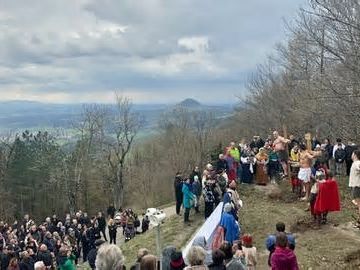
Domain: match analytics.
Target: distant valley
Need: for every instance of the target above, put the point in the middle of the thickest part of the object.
(59, 119)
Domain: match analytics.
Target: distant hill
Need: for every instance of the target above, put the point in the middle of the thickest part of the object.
(189, 103)
(19, 115)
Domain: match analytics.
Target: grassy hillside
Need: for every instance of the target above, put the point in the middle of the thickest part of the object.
(333, 246)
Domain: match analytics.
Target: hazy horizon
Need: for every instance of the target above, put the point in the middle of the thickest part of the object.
(111, 103)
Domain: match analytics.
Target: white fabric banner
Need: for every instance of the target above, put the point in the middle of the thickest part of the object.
(207, 229)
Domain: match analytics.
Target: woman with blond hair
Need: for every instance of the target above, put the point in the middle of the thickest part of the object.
(112, 227)
(196, 258)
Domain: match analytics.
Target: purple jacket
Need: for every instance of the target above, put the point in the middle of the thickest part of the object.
(284, 259)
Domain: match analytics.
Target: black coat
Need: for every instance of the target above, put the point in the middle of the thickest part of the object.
(193, 174)
(50, 244)
(26, 264)
(112, 230)
(111, 211)
(257, 144)
(90, 235)
(4, 261)
(221, 164)
(329, 149)
(45, 256)
(178, 189)
(349, 149)
(101, 222)
(145, 225)
(91, 257)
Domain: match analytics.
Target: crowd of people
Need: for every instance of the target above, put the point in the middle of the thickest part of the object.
(310, 166)
(62, 243)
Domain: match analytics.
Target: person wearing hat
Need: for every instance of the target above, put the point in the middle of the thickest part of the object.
(249, 251)
(230, 225)
(177, 261)
(91, 257)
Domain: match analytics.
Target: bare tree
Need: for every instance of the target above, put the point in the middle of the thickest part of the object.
(91, 128)
(125, 126)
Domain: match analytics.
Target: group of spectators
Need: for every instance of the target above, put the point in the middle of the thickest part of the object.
(217, 183)
(50, 244)
(309, 164)
(62, 243)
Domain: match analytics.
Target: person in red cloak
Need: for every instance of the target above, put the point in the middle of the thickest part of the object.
(328, 199)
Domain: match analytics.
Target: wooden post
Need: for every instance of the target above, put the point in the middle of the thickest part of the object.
(308, 141)
(287, 151)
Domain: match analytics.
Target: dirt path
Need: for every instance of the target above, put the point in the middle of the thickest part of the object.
(169, 211)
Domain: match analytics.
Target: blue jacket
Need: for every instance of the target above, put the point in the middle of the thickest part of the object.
(188, 196)
(271, 242)
(228, 199)
(232, 230)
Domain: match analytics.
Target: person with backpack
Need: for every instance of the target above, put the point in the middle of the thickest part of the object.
(339, 154)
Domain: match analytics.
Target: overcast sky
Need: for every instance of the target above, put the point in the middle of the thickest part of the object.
(151, 50)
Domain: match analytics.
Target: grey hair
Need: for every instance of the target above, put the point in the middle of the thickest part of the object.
(39, 265)
(109, 257)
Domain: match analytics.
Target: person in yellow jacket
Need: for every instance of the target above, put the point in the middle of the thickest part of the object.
(234, 152)
(294, 154)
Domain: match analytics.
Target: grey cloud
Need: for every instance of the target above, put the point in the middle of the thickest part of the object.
(87, 45)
